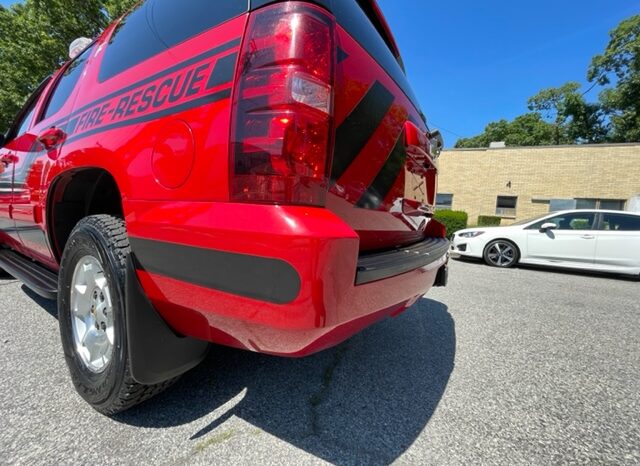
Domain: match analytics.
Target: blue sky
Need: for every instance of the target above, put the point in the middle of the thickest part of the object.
(472, 62)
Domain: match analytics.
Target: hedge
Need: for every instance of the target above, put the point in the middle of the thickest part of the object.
(489, 221)
(454, 220)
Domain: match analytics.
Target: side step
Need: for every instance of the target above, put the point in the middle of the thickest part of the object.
(41, 280)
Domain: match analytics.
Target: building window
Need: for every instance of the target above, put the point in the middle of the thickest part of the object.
(444, 201)
(604, 204)
(506, 206)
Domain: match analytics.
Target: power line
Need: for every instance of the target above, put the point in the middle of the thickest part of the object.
(447, 130)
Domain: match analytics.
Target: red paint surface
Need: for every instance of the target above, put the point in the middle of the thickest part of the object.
(173, 175)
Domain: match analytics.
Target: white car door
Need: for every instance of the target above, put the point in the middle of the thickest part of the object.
(618, 242)
(574, 239)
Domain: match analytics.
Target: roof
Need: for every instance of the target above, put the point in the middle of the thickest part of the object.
(576, 146)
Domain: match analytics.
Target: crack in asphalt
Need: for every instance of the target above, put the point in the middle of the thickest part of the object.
(316, 400)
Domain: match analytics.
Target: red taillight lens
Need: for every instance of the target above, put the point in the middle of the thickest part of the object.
(283, 107)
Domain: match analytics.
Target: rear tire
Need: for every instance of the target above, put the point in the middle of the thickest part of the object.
(92, 316)
(501, 253)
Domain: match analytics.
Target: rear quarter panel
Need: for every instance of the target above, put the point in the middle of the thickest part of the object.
(117, 124)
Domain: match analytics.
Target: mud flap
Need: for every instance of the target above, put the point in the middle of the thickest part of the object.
(156, 352)
(442, 279)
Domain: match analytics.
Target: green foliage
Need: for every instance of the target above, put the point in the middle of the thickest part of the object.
(489, 221)
(454, 220)
(573, 119)
(561, 115)
(620, 65)
(34, 41)
(526, 130)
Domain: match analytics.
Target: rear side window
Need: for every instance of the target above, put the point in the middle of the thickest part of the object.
(158, 25)
(620, 222)
(66, 84)
(358, 22)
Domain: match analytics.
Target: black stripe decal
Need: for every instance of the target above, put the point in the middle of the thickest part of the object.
(342, 55)
(211, 53)
(270, 280)
(223, 71)
(374, 196)
(356, 130)
(208, 99)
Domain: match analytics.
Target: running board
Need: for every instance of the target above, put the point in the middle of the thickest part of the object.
(39, 279)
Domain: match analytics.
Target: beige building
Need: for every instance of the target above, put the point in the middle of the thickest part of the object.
(516, 183)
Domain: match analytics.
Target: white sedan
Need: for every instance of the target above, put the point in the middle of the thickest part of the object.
(599, 240)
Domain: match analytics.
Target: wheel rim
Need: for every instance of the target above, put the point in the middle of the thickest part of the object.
(92, 314)
(501, 254)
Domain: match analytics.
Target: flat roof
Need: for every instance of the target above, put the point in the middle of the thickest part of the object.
(564, 146)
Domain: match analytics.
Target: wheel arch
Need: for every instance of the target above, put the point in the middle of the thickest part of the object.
(76, 194)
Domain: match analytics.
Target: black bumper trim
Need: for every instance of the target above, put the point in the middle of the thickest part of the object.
(378, 266)
(261, 278)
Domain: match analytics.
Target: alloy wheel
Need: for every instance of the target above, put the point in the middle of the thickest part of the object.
(92, 314)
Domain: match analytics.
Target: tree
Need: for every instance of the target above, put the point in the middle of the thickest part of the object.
(619, 66)
(551, 104)
(34, 40)
(525, 130)
(573, 118)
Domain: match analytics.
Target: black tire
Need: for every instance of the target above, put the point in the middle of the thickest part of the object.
(113, 390)
(505, 259)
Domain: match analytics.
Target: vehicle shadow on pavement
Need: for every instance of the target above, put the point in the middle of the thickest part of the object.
(47, 304)
(365, 401)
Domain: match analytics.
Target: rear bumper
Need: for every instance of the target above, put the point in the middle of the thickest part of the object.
(273, 279)
(373, 267)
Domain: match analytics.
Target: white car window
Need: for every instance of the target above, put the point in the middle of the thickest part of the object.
(570, 221)
(620, 222)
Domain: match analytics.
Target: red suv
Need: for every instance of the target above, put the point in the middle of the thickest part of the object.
(231, 174)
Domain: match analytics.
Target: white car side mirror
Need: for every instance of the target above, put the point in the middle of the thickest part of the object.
(548, 226)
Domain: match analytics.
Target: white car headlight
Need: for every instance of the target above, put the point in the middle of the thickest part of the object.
(471, 234)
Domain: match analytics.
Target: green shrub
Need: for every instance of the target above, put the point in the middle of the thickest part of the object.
(489, 221)
(454, 220)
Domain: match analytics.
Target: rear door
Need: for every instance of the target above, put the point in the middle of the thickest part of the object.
(33, 160)
(374, 106)
(574, 239)
(6, 191)
(618, 242)
(20, 139)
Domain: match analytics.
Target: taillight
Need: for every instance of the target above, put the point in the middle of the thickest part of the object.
(282, 128)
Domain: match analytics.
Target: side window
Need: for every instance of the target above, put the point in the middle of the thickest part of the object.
(26, 120)
(158, 25)
(66, 84)
(26, 115)
(573, 221)
(506, 206)
(620, 222)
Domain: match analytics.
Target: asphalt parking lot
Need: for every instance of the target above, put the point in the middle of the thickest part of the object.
(502, 367)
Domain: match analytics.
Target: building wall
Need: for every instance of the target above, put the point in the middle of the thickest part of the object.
(476, 177)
